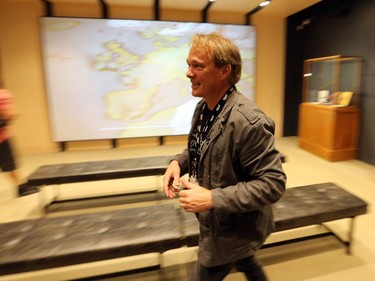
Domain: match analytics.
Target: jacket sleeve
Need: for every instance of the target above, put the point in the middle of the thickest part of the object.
(261, 177)
(182, 160)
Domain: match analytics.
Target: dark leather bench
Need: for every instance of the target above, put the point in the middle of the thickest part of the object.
(303, 206)
(99, 170)
(59, 241)
(55, 174)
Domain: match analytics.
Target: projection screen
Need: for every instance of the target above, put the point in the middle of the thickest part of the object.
(111, 79)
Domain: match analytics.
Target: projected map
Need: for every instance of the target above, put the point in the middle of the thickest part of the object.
(109, 79)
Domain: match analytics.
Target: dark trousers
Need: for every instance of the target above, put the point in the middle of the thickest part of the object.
(250, 266)
(7, 163)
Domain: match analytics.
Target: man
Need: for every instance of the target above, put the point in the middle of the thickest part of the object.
(7, 162)
(235, 172)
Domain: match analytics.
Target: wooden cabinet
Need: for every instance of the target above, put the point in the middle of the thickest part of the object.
(329, 131)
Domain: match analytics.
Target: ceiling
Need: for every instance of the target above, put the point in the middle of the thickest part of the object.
(277, 7)
(281, 8)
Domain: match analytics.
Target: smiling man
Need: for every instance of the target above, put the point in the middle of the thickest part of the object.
(235, 171)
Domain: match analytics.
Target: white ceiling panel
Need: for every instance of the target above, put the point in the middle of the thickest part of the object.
(236, 6)
(276, 7)
(74, 1)
(130, 3)
(197, 5)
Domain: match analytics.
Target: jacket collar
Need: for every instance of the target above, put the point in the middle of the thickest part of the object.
(218, 125)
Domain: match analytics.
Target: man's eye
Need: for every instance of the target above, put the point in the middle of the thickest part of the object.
(195, 66)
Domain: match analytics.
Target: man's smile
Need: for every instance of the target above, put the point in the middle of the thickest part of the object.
(195, 85)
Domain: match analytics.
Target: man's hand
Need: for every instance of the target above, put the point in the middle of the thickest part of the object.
(172, 179)
(195, 198)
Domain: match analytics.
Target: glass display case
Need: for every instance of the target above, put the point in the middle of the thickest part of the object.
(332, 80)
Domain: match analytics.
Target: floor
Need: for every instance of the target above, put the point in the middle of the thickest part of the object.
(322, 259)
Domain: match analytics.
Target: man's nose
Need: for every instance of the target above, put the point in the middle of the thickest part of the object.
(189, 73)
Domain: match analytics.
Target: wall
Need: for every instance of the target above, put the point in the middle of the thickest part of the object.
(22, 68)
(270, 66)
(22, 73)
(336, 28)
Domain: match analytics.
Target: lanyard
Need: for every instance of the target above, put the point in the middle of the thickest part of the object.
(206, 120)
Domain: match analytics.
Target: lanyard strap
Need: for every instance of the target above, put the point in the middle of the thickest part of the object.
(205, 122)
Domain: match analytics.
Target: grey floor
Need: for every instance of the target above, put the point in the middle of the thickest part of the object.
(321, 259)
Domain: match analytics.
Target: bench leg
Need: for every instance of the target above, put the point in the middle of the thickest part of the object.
(348, 242)
(56, 193)
(56, 189)
(42, 200)
(350, 236)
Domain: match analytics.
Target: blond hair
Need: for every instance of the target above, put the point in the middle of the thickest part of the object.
(221, 50)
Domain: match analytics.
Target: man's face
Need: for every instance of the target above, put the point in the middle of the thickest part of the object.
(204, 76)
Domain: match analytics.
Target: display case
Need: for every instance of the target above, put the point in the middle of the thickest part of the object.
(332, 80)
(329, 114)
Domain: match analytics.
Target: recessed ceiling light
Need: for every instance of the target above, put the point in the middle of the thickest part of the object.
(264, 3)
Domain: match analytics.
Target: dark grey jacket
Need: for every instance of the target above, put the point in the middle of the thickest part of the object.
(241, 166)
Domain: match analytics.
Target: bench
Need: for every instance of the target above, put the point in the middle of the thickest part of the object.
(101, 170)
(304, 206)
(96, 170)
(60, 241)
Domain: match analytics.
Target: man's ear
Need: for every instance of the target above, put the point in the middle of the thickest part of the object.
(226, 71)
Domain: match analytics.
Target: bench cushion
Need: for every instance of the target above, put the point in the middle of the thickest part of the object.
(299, 206)
(315, 204)
(99, 170)
(59, 241)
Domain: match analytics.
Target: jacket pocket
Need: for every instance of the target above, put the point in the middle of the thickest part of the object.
(234, 222)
